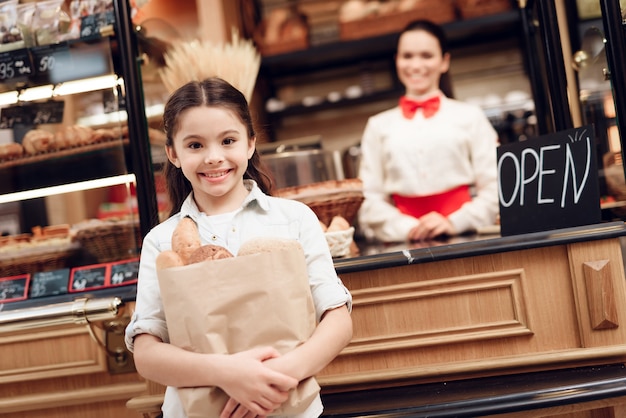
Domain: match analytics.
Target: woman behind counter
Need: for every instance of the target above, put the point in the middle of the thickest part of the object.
(421, 159)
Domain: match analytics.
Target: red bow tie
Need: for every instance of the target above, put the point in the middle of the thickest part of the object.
(429, 107)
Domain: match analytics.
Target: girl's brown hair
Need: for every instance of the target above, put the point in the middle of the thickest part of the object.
(209, 92)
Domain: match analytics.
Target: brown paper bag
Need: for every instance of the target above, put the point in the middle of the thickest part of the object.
(234, 304)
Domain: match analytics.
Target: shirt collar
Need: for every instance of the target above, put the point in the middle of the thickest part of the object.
(189, 207)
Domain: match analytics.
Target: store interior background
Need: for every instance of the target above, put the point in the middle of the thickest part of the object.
(490, 72)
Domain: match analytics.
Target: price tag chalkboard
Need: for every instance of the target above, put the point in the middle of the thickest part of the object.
(88, 277)
(15, 115)
(47, 112)
(90, 25)
(124, 272)
(49, 283)
(14, 288)
(53, 61)
(15, 64)
(30, 114)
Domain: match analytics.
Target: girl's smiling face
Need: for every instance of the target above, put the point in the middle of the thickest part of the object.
(420, 62)
(212, 148)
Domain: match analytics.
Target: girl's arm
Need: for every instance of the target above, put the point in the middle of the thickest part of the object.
(332, 334)
(243, 376)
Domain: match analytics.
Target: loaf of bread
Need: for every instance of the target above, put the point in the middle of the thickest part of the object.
(186, 239)
(167, 259)
(209, 252)
(38, 140)
(338, 223)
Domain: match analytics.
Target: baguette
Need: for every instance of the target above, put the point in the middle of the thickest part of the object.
(186, 239)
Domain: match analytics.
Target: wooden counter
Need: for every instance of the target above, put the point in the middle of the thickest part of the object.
(450, 313)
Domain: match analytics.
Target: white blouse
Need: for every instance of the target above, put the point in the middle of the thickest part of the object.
(422, 157)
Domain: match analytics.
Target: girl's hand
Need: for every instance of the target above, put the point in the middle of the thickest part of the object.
(431, 225)
(254, 389)
(234, 409)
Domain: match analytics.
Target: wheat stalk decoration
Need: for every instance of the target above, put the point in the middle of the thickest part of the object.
(237, 62)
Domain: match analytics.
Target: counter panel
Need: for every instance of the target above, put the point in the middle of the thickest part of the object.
(535, 308)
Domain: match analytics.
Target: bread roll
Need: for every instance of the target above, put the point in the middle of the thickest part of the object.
(186, 238)
(338, 223)
(38, 140)
(266, 245)
(167, 259)
(11, 150)
(103, 135)
(84, 134)
(209, 252)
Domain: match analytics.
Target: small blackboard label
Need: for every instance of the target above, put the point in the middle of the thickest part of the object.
(88, 277)
(14, 288)
(124, 272)
(90, 25)
(31, 114)
(549, 182)
(49, 283)
(53, 61)
(48, 112)
(15, 64)
(14, 115)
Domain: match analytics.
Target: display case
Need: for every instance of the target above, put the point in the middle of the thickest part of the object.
(77, 191)
(76, 197)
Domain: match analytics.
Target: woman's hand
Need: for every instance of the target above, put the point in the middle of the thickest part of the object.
(431, 225)
(255, 390)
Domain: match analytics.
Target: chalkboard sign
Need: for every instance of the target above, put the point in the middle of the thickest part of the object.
(53, 61)
(32, 114)
(88, 278)
(15, 115)
(49, 283)
(549, 182)
(48, 112)
(90, 25)
(15, 64)
(14, 288)
(124, 272)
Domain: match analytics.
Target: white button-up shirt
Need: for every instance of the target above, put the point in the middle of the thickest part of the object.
(259, 216)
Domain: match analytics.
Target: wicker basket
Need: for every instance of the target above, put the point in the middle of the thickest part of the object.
(469, 9)
(34, 263)
(438, 11)
(107, 241)
(340, 242)
(329, 198)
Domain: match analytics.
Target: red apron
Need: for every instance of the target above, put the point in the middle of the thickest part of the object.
(445, 203)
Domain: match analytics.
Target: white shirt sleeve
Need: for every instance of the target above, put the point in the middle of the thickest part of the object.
(378, 216)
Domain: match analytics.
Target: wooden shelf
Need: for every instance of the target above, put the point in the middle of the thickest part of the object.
(460, 33)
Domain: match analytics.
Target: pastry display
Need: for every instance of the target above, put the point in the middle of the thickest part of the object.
(40, 141)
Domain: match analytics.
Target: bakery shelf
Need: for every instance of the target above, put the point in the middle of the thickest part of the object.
(460, 32)
(57, 154)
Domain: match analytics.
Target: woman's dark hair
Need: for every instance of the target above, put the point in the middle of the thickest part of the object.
(445, 84)
(209, 92)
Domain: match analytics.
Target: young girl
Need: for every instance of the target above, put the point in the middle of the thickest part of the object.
(421, 158)
(214, 177)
